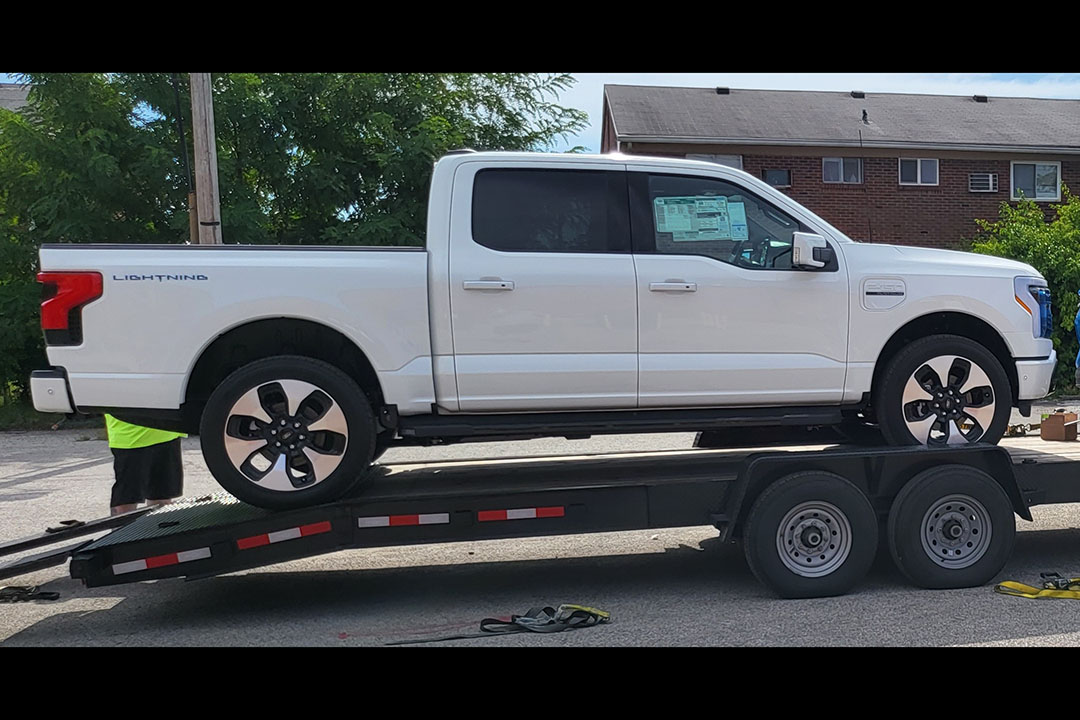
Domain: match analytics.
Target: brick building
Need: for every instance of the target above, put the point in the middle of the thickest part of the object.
(890, 168)
(12, 96)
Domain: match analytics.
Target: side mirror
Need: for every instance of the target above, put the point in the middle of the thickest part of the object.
(810, 251)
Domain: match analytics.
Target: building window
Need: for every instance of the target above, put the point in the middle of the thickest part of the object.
(778, 178)
(918, 171)
(842, 170)
(734, 161)
(1036, 181)
(982, 182)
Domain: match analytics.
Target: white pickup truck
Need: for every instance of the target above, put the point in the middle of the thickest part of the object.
(557, 295)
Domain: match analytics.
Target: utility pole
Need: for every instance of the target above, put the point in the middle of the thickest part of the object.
(193, 213)
(206, 180)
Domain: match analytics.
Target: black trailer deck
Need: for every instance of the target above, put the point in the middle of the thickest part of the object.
(403, 504)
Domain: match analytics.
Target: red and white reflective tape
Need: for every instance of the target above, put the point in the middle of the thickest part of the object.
(400, 520)
(282, 535)
(521, 514)
(161, 561)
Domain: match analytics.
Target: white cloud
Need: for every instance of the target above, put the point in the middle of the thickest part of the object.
(587, 94)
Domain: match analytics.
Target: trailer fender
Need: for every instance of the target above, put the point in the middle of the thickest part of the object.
(878, 472)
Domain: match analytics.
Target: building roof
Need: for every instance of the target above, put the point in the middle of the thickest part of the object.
(835, 119)
(12, 96)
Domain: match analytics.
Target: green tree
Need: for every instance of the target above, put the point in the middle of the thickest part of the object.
(1053, 248)
(303, 158)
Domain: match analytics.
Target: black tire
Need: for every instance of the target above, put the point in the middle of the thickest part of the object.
(888, 396)
(927, 491)
(359, 433)
(763, 528)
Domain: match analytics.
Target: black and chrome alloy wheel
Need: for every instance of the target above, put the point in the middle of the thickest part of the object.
(948, 400)
(288, 432)
(942, 391)
(286, 435)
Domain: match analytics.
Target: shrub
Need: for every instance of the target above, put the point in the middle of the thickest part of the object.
(1053, 248)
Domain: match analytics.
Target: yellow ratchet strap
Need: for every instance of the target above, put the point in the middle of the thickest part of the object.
(1054, 586)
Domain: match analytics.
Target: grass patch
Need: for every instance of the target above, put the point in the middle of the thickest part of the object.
(19, 416)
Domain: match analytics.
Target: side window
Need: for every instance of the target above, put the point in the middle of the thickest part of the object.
(556, 211)
(683, 215)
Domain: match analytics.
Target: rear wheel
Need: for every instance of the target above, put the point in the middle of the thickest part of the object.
(811, 534)
(943, 390)
(287, 432)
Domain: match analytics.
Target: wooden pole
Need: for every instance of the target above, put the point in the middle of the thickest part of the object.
(206, 178)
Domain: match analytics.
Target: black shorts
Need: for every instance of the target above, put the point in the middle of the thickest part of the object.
(155, 472)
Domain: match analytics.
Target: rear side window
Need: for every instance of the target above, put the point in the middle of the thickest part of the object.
(557, 211)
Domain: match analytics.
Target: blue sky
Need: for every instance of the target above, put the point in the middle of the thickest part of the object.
(587, 94)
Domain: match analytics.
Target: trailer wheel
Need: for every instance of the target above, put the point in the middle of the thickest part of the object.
(951, 526)
(811, 534)
(287, 432)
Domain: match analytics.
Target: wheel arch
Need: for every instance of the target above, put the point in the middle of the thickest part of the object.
(266, 337)
(949, 323)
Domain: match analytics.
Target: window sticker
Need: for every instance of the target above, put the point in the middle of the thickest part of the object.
(737, 215)
(693, 218)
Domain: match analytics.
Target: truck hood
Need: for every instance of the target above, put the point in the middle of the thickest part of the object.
(943, 261)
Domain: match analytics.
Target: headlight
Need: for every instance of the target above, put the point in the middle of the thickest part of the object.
(1033, 295)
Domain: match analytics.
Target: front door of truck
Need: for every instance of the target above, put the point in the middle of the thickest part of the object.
(542, 288)
(724, 319)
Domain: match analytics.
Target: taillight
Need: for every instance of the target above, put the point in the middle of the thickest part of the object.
(63, 296)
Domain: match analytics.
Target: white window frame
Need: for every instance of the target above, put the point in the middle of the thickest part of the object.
(1012, 179)
(841, 181)
(918, 171)
(788, 170)
(734, 161)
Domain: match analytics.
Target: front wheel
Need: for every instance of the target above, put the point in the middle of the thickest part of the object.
(943, 390)
(287, 432)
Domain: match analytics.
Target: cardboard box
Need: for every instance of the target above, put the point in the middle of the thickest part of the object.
(1059, 426)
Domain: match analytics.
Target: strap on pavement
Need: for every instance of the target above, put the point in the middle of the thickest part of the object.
(1054, 586)
(538, 620)
(25, 593)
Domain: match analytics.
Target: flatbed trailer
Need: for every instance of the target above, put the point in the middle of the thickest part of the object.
(811, 518)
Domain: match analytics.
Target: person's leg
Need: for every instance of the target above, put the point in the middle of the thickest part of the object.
(129, 468)
(166, 481)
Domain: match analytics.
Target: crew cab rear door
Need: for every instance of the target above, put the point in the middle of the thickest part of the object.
(542, 287)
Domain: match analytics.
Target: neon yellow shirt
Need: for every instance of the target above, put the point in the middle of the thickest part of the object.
(125, 436)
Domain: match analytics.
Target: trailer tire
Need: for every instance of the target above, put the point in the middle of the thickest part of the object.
(287, 432)
(816, 511)
(951, 526)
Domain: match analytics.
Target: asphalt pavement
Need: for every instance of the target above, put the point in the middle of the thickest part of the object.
(663, 587)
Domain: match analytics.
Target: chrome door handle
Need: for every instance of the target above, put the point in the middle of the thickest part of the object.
(488, 284)
(673, 286)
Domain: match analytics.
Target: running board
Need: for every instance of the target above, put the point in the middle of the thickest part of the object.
(610, 422)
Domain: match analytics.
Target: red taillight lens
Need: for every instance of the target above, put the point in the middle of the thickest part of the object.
(65, 292)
